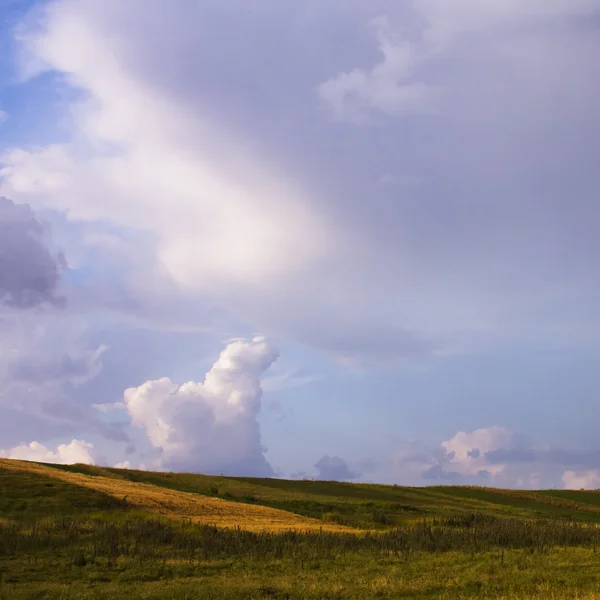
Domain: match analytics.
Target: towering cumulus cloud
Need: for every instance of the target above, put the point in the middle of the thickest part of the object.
(29, 272)
(209, 426)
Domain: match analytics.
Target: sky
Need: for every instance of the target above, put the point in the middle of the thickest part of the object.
(346, 240)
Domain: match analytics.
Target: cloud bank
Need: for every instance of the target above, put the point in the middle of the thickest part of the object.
(76, 451)
(498, 457)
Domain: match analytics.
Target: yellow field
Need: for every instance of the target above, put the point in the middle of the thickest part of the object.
(172, 503)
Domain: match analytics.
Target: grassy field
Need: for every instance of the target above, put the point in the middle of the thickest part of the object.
(87, 532)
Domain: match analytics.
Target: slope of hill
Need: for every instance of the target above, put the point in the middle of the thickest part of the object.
(76, 531)
(166, 501)
(366, 506)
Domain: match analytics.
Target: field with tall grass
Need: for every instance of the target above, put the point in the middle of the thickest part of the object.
(87, 532)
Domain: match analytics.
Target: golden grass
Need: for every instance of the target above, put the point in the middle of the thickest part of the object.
(172, 503)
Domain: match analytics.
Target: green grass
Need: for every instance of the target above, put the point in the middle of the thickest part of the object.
(369, 506)
(62, 541)
(28, 496)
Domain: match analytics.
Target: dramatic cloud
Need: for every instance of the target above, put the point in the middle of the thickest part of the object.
(76, 451)
(334, 468)
(493, 225)
(209, 426)
(382, 183)
(29, 271)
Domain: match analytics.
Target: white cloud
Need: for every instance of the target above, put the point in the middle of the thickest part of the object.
(209, 426)
(587, 480)
(466, 451)
(499, 457)
(76, 451)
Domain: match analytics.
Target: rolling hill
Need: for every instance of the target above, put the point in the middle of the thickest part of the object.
(80, 531)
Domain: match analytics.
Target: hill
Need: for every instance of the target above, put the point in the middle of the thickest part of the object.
(79, 531)
(355, 505)
(117, 489)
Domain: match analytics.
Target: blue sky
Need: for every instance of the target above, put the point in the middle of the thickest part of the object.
(242, 239)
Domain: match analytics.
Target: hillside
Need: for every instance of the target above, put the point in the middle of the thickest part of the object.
(77, 531)
(364, 506)
(123, 492)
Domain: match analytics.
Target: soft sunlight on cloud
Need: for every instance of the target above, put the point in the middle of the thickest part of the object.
(466, 451)
(209, 426)
(496, 456)
(227, 215)
(76, 451)
(237, 221)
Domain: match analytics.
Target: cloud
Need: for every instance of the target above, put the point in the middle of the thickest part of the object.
(225, 235)
(65, 368)
(498, 457)
(226, 221)
(209, 426)
(485, 456)
(467, 452)
(405, 80)
(45, 361)
(334, 468)
(390, 86)
(492, 227)
(287, 380)
(586, 480)
(29, 271)
(76, 451)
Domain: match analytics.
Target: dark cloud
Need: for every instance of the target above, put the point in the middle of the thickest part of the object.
(437, 472)
(334, 468)
(29, 271)
(130, 450)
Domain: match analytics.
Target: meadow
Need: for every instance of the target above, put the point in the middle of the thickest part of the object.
(87, 532)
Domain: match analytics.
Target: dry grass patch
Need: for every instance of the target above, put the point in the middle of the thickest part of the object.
(201, 509)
